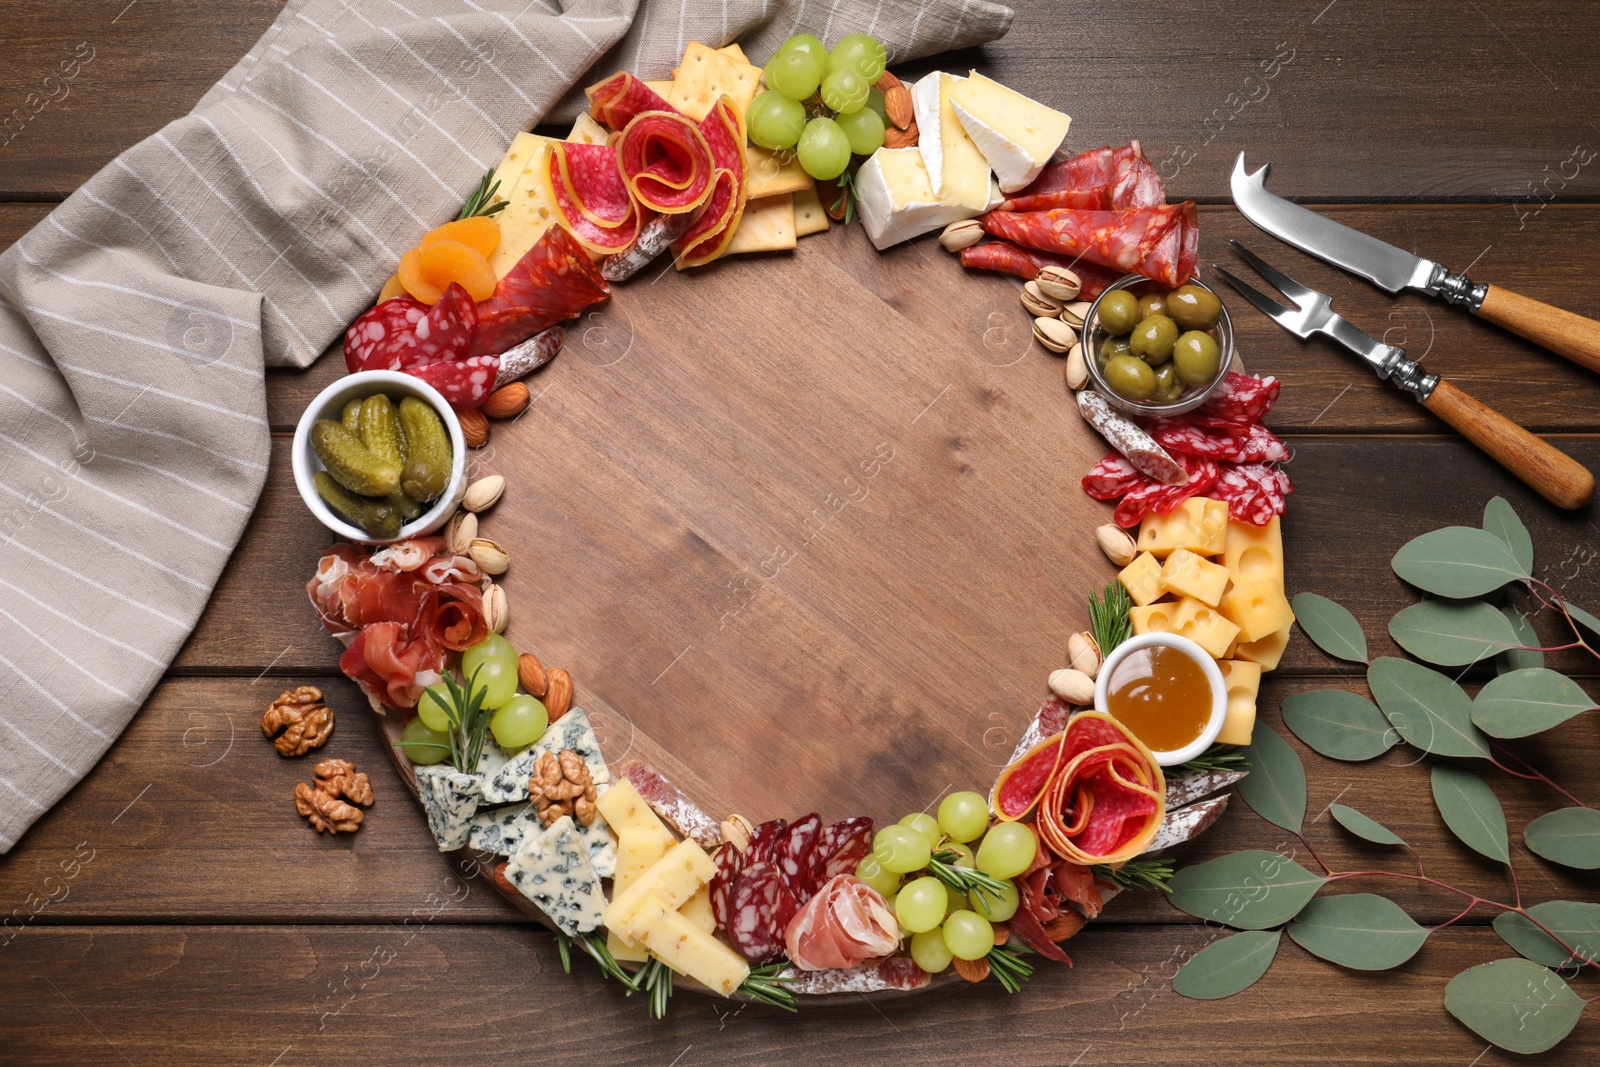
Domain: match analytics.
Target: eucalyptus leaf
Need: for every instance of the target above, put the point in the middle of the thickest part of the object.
(1458, 562)
(1588, 620)
(1453, 633)
(1227, 966)
(1568, 836)
(1577, 923)
(1500, 519)
(1362, 931)
(1516, 659)
(1275, 788)
(1339, 724)
(1428, 709)
(1528, 702)
(1331, 627)
(1515, 1004)
(1472, 811)
(1250, 890)
(1364, 827)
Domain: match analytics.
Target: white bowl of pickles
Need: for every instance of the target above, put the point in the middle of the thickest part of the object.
(379, 456)
(1152, 350)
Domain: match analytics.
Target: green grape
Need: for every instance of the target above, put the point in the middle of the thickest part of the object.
(920, 904)
(423, 746)
(498, 680)
(492, 647)
(864, 129)
(998, 908)
(824, 149)
(901, 849)
(857, 52)
(930, 952)
(875, 875)
(955, 900)
(808, 43)
(875, 104)
(795, 74)
(968, 935)
(845, 91)
(775, 121)
(924, 824)
(964, 816)
(520, 722)
(431, 708)
(964, 856)
(1007, 850)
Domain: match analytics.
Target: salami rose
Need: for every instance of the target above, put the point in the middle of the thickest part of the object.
(616, 101)
(846, 923)
(591, 198)
(1026, 778)
(1106, 800)
(665, 162)
(723, 129)
(1161, 243)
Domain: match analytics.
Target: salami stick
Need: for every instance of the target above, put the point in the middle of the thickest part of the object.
(1120, 432)
(529, 356)
(654, 239)
(1186, 824)
(1187, 788)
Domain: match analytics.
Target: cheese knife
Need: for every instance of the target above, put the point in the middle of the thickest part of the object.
(1393, 269)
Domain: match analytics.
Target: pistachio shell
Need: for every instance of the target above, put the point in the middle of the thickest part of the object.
(1074, 687)
(461, 532)
(1083, 653)
(1059, 284)
(1115, 542)
(1074, 313)
(484, 493)
(495, 609)
(1037, 303)
(959, 235)
(1054, 334)
(490, 557)
(1077, 369)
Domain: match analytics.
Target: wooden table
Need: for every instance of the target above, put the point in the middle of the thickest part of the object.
(204, 924)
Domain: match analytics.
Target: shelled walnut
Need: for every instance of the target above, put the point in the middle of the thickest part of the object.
(561, 785)
(305, 721)
(340, 778)
(328, 802)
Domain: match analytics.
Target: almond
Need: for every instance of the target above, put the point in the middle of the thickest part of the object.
(1074, 687)
(506, 402)
(530, 672)
(888, 80)
(1064, 925)
(832, 202)
(895, 137)
(474, 427)
(1002, 934)
(558, 693)
(897, 105)
(972, 970)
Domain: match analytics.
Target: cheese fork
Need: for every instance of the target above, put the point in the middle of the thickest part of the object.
(1550, 472)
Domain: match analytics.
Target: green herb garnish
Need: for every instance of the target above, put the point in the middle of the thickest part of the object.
(1217, 758)
(964, 879)
(1108, 617)
(482, 201)
(655, 980)
(1009, 968)
(594, 943)
(1141, 872)
(469, 720)
(766, 987)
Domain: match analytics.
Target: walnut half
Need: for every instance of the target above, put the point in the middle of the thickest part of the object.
(562, 785)
(305, 720)
(325, 801)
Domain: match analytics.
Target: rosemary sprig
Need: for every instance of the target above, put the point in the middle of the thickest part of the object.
(1108, 617)
(594, 944)
(843, 207)
(655, 980)
(469, 720)
(564, 949)
(766, 987)
(1141, 872)
(1217, 758)
(482, 201)
(1009, 968)
(965, 879)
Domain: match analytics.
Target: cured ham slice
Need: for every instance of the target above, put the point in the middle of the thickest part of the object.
(390, 666)
(1103, 179)
(1008, 258)
(1161, 243)
(845, 924)
(665, 161)
(1105, 801)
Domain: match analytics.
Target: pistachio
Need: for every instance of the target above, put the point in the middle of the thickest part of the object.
(1074, 313)
(484, 493)
(1037, 303)
(1059, 284)
(495, 609)
(1077, 369)
(959, 235)
(1083, 653)
(490, 557)
(1116, 544)
(1054, 334)
(461, 532)
(1072, 686)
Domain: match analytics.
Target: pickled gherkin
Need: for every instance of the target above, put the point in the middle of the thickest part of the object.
(377, 517)
(350, 417)
(351, 463)
(428, 458)
(380, 431)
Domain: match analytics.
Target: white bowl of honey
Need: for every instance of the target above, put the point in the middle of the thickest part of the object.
(1167, 691)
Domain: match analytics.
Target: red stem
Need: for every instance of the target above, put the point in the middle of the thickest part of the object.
(1534, 775)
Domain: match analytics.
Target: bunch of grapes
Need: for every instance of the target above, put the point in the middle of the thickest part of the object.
(945, 923)
(845, 115)
(519, 719)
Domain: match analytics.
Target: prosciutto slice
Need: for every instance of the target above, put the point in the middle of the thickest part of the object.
(1161, 243)
(844, 925)
(1103, 179)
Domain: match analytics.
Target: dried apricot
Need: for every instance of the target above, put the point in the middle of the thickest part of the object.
(415, 282)
(392, 287)
(443, 262)
(479, 232)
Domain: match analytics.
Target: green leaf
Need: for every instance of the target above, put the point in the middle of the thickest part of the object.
(1331, 627)
(1515, 1004)
(1227, 966)
(1500, 519)
(1568, 836)
(1516, 659)
(1458, 562)
(1250, 890)
(1528, 702)
(1575, 922)
(1362, 931)
(1579, 615)
(1363, 827)
(1472, 811)
(1452, 634)
(1275, 788)
(1339, 724)
(1428, 709)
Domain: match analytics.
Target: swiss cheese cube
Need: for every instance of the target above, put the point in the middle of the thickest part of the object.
(1016, 135)
(1243, 682)
(664, 887)
(1154, 619)
(1202, 624)
(1198, 524)
(678, 942)
(1257, 606)
(1267, 652)
(1255, 551)
(1142, 579)
(1189, 574)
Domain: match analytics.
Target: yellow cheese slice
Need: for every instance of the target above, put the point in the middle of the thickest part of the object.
(1188, 574)
(697, 909)
(587, 131)
(642, 839)
(509, 172)
(809, 214)
(664, 887)
(705, 75)
(1243, 682)
(766, 226)
(767, 175)
(529, 211)
(966, 172)
(678, 942)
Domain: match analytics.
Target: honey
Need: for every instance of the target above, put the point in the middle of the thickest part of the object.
(1162, 695)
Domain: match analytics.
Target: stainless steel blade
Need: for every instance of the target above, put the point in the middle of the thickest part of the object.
(1382, 264)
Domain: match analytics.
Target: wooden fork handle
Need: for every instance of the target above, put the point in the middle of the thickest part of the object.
(1562, 332)
(1546, 469)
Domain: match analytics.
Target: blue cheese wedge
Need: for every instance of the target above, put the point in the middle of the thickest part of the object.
(503, 830)
(553, 870)
(450, 799)
(572, 731)
(1016, 135)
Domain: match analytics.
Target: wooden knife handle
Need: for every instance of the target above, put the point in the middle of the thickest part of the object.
(1546, 469)
(1562, 332)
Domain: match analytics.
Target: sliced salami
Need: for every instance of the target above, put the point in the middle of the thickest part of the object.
(1240, 399)
(665, 162)
(728, 862)
(615, 101)
(383, 336)
(759, 912)
(1111, 477)
(840, 849)
(1102, 178)
(1155, 498)
(1124, 435)
(465, 383)
(445, 332)
(793, 856)
(723, 129)
(765, 840)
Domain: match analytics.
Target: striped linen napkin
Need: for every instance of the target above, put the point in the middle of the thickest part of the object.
(136, 320)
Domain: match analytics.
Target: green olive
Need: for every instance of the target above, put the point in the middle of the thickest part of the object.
(1152, 304)
(1112, 347)
(1130, 378)
(1194, 308)
(1153, 338)
(1196, 358)
(1119, 311)
(1167, 383)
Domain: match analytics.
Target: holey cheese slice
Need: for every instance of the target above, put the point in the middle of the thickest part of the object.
(897, 201)
(1016, 135)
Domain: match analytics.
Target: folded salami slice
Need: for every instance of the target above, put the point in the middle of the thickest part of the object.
(1110, 478)
(1103, 178)
(1106, 799)
(665, 162)
(384, 336)
(616, 101)
(1161, 243)
(591, 197)
(1008, 258)
(1253, 443)
(723, 128)
(554, 280)
(1240, 399)
(1151, 497)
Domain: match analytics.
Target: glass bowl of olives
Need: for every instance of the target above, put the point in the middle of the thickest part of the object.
(1157, 351)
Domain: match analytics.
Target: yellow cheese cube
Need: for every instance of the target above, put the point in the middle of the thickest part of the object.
(1255, 551)
(1188, 574)
(1266, 652)
(1243, 682)
(1198, 524)
(698, 909)
(1155, 619)
(1142, 579)
(1257, 606)
(678, 942)
(1202, 624)
(664, 887)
